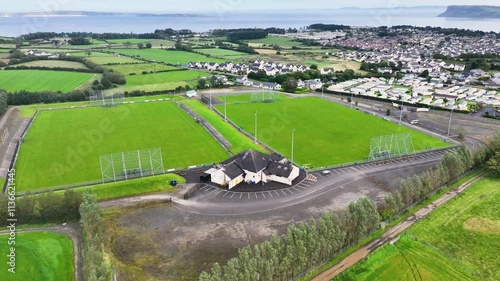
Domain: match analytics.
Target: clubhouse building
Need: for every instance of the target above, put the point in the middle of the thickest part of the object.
(252, 167)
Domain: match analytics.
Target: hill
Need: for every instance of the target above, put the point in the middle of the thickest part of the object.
(457, 11)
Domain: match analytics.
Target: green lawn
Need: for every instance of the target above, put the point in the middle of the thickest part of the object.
(127, 69)
(458, 241)
(42, 80)
(63, 147)
(133, 41)
(326, 133)
(172, 57)
(132, 187)
(239, 141)
(40, 256)
(112, 59)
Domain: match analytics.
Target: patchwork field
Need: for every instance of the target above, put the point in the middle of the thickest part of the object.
(172, 57)
(112, 59)
(63, 147)
(222, 53)
(41, 256)
(42, 80)
(459, 241)
(284, 42)
(54, 64)
(326, 133)
(162, 81)
(127, 69)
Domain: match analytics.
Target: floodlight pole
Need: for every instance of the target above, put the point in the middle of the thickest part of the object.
(255, 138)
(322, 92)
(225, 106)
(449, 125)
(352, 100)
(210, 100)
(293, 140)
(401, 116)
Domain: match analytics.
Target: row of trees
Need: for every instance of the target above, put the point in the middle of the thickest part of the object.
(47, 208)
(329, 27)
(493, 163)
(3, 102)
(303, 247)
(91, 221)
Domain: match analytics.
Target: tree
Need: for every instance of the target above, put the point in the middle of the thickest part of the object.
(388, 112)
(425, 74)
(290, 85)
(202, 83)
(149, 45)
(493, 165)
(140, 46)
(127, 44)
(315, 67)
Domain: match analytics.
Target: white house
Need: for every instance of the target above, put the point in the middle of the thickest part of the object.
(191, 94)
(252, 167)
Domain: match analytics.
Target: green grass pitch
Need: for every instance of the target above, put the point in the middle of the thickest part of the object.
(458, 241)
(325, 133)
(63, 146)
(40, 256)
(42, 80)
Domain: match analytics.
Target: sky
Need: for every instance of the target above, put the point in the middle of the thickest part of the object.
(206, 6)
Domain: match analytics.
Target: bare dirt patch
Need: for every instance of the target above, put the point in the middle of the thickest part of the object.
(483, 225)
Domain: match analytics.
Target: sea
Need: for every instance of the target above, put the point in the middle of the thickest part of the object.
(227, 18)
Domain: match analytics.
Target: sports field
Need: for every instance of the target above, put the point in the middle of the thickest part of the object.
(458, 241)
(325, 133)
(40, 256)
(127, 69)
(239, 142)
(172, 57)
(63, 147)
(42, 80)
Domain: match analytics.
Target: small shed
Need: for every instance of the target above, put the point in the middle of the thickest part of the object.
(191, 94)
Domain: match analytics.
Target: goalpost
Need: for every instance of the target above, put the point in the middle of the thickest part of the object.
(131, 164)
(98, 98)
(390, 146)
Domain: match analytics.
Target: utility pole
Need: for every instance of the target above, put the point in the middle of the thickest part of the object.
(210, 100)
(449, 125)
(322, 92)
(293, 140)
(255, 138)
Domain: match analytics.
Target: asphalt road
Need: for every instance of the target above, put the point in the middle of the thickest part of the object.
(392, 233)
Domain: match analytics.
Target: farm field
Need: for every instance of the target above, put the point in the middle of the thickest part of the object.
(54, 64)
(161, 81)
(171, 57)
(458, 241)
(133, 41)
(42, 80)
(40, 256)
(66, 144)
(238, 141)
(222, 53)
(127, 69)
(111, 59)
(323, 130)
(284, 42)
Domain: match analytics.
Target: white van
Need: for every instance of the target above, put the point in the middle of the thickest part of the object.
(414, 122)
